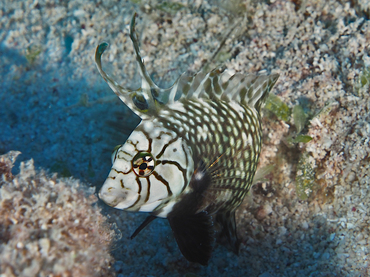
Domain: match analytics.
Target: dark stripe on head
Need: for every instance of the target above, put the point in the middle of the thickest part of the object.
(161, 179)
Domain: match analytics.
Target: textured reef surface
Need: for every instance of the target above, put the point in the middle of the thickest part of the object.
(306, 215)
(50, 225)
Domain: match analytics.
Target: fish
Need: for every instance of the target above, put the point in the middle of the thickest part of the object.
(193, 156)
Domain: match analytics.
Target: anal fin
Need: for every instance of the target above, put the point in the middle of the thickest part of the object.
(194, 234)
(228, 231)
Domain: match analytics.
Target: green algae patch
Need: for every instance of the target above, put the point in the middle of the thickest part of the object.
(278, 107)
(169, 7)
(302, 138)
(299, 118)
(362, 83)
(261, 173)
(305, 178)
(32, 53)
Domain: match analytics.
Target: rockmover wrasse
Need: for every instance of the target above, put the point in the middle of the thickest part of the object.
(194, 154)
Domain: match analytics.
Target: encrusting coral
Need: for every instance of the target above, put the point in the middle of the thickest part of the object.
(49, 226)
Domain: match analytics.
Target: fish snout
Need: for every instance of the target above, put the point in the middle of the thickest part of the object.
(115, 194)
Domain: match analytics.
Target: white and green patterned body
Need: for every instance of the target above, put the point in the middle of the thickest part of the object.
(193, 157)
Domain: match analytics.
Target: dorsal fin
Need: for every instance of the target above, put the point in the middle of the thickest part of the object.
(145, 101)
(251, 90)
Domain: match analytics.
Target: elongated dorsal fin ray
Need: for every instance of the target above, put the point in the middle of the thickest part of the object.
(136, 100)
(145, 101)
(147, 83)
(160, 96)
(249, 90)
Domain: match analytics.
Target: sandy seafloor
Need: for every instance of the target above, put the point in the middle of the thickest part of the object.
(57, 110)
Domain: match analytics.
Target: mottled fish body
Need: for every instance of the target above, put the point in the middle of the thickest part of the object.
(193, 157)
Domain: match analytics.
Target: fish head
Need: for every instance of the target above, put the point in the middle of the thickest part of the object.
(155, 164)
(149, 170)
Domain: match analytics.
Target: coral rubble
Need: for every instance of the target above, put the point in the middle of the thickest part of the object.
(49, 226)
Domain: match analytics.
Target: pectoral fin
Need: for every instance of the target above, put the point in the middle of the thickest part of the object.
(194, 234)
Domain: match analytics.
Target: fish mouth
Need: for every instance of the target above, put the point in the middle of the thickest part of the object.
(105, 196)
(118, 197)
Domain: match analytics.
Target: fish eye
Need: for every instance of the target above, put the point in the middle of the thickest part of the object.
(143, 164)
(114, 153)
